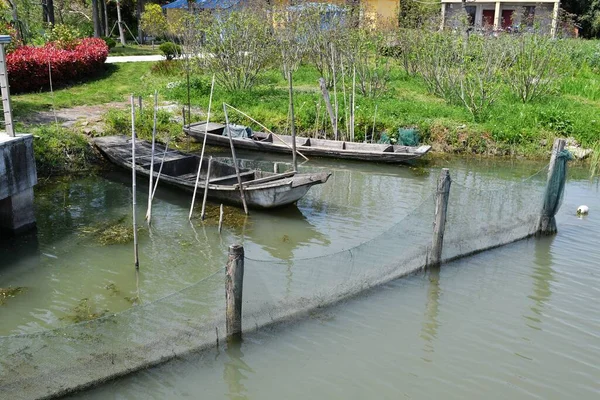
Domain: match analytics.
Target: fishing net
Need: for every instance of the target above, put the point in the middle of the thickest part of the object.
(482, 213)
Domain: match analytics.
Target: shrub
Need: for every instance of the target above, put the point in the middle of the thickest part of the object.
(110, 42)
(28, 66)
(63, 36)
(170, 50)
(58, 151)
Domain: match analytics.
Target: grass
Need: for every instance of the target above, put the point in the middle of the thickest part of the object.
(511, 128)
(115, 83)
(134, 50)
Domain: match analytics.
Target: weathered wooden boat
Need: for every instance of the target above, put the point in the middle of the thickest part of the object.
(260, 141)
(261, 189)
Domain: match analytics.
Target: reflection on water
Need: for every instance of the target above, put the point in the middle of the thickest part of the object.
(236, 371)
(543, 276)
(469, 314)
(430, 325)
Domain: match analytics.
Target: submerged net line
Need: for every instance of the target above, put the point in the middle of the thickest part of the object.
(63, 359)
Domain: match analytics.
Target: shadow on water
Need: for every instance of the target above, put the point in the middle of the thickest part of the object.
(543, 276)
(236, 371)
(430, 326)
(261, 227)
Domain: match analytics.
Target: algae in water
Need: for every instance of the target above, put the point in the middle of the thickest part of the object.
(107, 233)
(10, 292)
(84, 311)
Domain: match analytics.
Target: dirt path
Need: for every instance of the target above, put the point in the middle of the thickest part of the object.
(88, 118)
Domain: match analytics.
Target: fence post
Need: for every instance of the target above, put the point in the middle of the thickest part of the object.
(234, 281)
(441, 209)
(547, 224)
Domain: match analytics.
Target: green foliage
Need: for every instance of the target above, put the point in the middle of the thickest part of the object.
(535, 64)
(60, 151)
(170, 50)
(153, 21)
(118, 122)
(63, 36)
(240, 43)
(558, 121)
(168, 68)
(595, 161)
(110, 42)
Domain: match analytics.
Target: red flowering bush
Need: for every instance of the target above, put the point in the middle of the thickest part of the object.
(28, 67)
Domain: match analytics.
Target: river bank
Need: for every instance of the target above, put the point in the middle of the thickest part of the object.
(511, 129)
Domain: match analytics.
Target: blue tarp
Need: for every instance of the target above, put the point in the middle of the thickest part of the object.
(204, 4)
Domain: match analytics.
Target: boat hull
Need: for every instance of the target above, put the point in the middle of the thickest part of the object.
(286, 190)
(311, 147)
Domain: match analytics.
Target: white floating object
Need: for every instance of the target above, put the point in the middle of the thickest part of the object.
(583, 210)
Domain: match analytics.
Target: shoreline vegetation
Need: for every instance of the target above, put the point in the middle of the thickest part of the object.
(510, 128)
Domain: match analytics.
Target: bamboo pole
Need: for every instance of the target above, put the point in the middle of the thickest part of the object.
(133, 184)
(162, 162)
(234, 283)
(292, 120)
(140, 103)
(237, 169)
(328, 104)
(150, 184)
(345, 104)
(202, 215)
(335, 102)
(212, 87)
(220, 218)
(373, 131)
(352, 110)
(318, 106)
(265, 128)
(441, 210)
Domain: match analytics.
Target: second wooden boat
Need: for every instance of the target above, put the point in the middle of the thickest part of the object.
(261, 189)
(388, 153)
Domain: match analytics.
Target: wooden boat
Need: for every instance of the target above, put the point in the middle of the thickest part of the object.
(261, 189)
(216, 135)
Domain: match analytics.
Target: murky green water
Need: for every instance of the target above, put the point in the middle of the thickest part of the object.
(520, 321)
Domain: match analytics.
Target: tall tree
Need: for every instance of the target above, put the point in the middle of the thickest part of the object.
(103, 19)
(48, 11)
(138, 15)
(96, 18)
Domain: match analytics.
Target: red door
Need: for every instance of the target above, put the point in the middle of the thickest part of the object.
(488, 18)
(507, 18)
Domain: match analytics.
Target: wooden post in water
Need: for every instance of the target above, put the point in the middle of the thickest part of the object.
(203, 214)
(133, 185)
(234, 280)
(547, 225)
(220, 218)
(329, 108)
(441, 209)
(237, 168)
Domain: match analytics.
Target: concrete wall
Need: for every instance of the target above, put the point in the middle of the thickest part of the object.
(17, 178)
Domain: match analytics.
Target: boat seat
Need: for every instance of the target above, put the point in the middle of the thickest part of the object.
(232, 176)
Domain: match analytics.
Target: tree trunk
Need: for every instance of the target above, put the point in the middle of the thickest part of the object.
(103, 18)
(15, 17)
(120, 23)
(95, 18)
(50, 4)
(138, 15)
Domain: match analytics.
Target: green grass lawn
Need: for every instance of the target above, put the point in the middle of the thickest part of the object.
(115, 83)
(134, 50)
(511, 127)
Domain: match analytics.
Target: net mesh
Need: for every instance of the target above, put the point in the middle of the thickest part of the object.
(480, 216)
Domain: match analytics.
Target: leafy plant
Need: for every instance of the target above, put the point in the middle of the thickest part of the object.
(536, 62)
(28, 67)
(110, 42)
(240, 44)
(170, 50)
(58, 150)
(63, 36)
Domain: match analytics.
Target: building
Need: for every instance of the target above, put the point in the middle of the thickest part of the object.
(507, 15)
